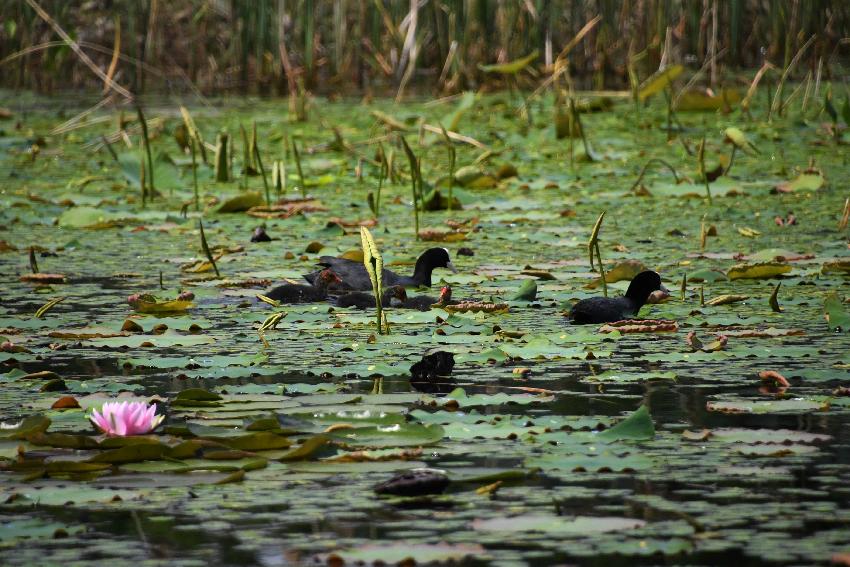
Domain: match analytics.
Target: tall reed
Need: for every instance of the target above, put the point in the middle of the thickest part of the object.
(266, 46)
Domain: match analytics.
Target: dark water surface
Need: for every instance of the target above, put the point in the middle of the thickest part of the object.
(736, 472)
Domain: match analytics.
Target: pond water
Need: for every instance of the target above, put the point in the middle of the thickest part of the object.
(272, 456)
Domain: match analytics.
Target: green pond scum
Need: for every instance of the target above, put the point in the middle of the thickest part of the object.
(713, 431)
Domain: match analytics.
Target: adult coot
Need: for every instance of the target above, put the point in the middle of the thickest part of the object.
(610, 309)
(300, 293)
(354, 275)
(366, 300)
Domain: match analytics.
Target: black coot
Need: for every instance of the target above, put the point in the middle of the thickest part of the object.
(300, 293)
(354, 275)
(366, 300)
(424, 302)
(610, 309)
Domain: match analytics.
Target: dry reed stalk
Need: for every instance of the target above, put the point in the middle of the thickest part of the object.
(76, 49)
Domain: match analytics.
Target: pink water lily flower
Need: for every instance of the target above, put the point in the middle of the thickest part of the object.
(119, 419)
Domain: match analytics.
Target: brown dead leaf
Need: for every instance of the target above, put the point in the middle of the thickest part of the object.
(641, 326)
(774, 378)
(697, 345)
(9, 346)
(430, 235)
(370, 457)
(41, 278)
(42, 375)
(286, 209)
(131, 326)
(765, 333)
(82, 334)
(352, 223)
(247, 283)
(66, 402)
(476, 307)
(465, 223)
(696, 435)
(539, 274)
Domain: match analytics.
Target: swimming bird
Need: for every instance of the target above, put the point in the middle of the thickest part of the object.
(301, 293)
(366, 300)
(424, 302)
(610, 309)
(354, 275)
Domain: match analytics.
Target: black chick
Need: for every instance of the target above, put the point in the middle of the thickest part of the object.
(298, 293)
(366, 300)
(425, 302)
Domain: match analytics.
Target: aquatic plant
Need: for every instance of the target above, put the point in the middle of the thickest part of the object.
(120, 419)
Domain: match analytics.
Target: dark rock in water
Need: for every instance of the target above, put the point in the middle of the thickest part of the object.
(440, 363)
(465, 252)
(416, 482)
(55, 385)
(260, 235)
(432, 374)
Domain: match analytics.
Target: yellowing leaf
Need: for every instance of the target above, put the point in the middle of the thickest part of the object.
(757, 271)
(241, 203)
(355, 255)
(737, 137)
(836, 316)
(748, 232)
(625, 270)
(477, 307)
(162, 306)
(88, 217)
(198, 267)
(703, 100)
(511, 67)
(430, 235)
(659, 81)
(726, 298)
(389, 121)
(808, 181)
(841, 266)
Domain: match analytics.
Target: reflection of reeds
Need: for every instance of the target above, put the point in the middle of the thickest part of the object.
(450, 147)
(415, 182)
(148, 154)
(33, 261)
(301, 184)
(206, 248)
(222, 164)
(194, 171)
(269, 46)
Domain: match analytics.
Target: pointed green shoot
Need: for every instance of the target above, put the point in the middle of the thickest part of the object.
(192, 144)
(414, 181)
(593, 246)
(452, 158)
(222, 165)
(374, 264)
(147, 142)
(701, 168)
